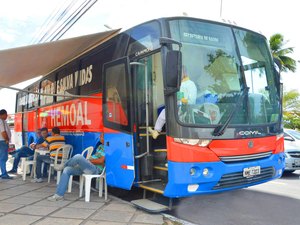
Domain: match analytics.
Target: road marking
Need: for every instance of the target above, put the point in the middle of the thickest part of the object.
(277, 182)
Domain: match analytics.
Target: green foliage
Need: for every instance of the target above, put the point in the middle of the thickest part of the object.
(220, 63)
(291, 109)
(277, 44)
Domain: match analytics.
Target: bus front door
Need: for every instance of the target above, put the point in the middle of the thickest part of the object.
(117, 117)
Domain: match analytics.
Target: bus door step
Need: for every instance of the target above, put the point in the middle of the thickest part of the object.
(149, 206)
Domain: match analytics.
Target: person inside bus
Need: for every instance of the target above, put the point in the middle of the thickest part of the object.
(78, 165)
(25, 151)
(187, 95)
(5, 136)
(52, 143)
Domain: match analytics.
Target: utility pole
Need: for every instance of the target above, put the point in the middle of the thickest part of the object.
(221, 8)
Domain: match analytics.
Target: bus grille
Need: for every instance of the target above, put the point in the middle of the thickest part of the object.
(240, 158)
(237, 179)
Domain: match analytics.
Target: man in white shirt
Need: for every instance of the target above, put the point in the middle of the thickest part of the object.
(5, 136)
(188, 92)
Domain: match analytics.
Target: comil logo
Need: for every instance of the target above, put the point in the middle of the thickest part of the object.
(249, 132)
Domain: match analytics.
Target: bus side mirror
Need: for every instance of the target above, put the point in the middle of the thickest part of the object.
(173, 71)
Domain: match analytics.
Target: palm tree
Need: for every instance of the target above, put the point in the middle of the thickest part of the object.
(291, 105)
(278, 51)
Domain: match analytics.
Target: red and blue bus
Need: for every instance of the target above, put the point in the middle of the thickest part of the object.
(231, 137)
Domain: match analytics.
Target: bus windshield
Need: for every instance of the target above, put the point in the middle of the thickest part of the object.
(218, 63)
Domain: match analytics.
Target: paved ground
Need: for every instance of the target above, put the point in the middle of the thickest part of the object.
(23, 202)
(273, 203)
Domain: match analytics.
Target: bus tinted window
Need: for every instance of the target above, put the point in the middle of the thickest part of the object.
(260, 77)
(48, 87)
(67, 79)
(33, 99)
(211, 78)
(21, 101)
(116, 95)
(144, 38)
(91, 72)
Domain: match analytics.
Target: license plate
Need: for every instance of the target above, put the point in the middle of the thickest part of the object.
(251, 171)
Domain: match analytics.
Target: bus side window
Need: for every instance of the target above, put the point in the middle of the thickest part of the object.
(115, 110)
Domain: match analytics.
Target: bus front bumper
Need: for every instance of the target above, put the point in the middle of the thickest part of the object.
(187, 179)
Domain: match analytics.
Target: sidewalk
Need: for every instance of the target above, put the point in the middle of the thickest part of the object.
(23, 202)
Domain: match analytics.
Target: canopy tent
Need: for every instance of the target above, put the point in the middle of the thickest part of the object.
(23, 63)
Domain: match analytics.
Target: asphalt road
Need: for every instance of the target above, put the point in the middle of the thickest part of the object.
(273, 203)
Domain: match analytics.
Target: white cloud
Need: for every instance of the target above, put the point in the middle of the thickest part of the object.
(8, 37)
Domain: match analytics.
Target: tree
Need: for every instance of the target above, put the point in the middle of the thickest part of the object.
(291, 105)
(277, 44)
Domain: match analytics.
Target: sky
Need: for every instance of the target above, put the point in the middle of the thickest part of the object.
(21, 22)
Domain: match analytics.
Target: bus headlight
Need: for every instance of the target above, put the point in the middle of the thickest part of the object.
(205, 172)
(195, 171)
(199, 142)
(192, 171)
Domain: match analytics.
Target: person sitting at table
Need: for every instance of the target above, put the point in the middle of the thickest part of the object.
(24, 151)
(78, 165)
(52, 143)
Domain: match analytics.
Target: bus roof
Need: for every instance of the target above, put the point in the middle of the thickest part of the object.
(23, 63)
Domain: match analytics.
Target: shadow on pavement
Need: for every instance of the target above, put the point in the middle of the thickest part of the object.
(290, 176)
(242, 207)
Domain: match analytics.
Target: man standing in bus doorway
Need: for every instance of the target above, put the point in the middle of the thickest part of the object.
(5, 136)
(24, 151)
(187, 95)
(52, 142)
(78, 165)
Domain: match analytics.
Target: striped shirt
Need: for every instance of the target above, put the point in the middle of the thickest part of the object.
(53, 143)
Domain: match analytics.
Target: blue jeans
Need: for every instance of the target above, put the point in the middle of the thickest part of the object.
(3, 157)
(40, 159)
(77, 165)
(22, 152)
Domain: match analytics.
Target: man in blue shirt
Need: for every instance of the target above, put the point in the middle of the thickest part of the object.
(24, 151)
(78, 165)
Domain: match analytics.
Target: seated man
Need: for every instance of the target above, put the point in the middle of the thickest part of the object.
(52, 142)
(24, 151)
(78, 165)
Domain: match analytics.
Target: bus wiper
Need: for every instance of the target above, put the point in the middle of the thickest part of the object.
(218, 131)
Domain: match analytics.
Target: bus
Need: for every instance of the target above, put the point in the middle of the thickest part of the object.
(229, 137)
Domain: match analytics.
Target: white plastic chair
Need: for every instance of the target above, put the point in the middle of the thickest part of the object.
(25, 163)
(88, 151)
(66, 151)
(88, 182)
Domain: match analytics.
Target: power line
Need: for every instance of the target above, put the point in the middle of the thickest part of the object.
(70, 17)
(79, 16)
(58, 19)
(48, 21)
(62, 19)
